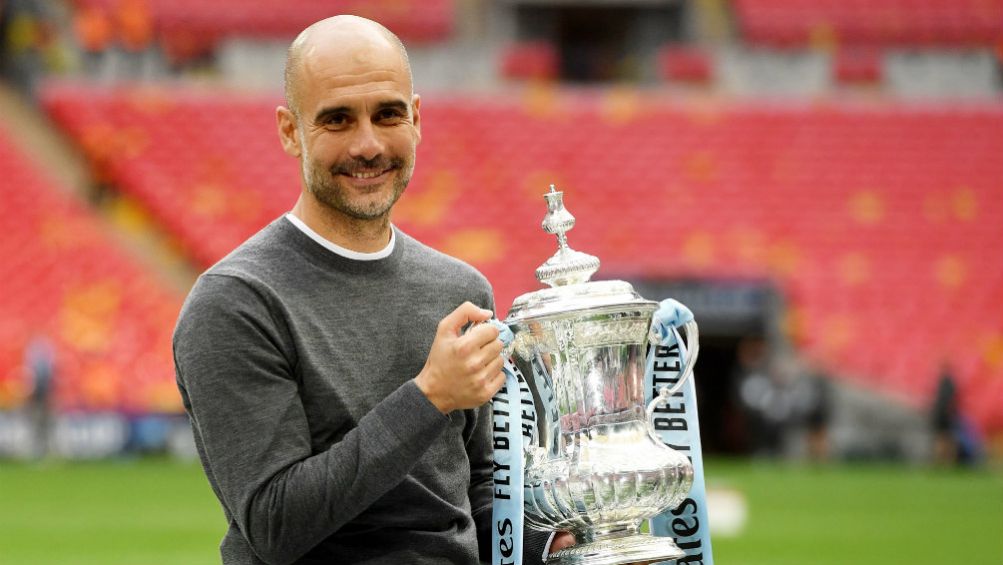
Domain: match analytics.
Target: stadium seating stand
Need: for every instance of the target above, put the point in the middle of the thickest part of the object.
(880, 223)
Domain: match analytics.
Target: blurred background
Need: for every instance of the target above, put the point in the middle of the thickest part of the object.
(820, 181)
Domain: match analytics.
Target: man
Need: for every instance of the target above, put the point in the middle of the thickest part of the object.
(337, 403)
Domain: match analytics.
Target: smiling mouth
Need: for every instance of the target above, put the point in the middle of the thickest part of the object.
(367, 174)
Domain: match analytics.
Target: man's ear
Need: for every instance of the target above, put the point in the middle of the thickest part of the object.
(286, 122)
(416, 114)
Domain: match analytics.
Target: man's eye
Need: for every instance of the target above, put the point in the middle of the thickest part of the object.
(390, 116)
(336, 120)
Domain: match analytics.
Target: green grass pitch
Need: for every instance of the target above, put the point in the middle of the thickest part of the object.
(160, 512)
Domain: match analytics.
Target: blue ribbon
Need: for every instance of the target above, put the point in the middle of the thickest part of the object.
(678, 426)
(507, 438)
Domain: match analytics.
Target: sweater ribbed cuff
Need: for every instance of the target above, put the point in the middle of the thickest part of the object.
(410, 416)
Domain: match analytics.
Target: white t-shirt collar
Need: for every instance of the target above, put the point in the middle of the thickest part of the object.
(334, 248)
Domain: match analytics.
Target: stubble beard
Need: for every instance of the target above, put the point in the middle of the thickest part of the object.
(327, 188)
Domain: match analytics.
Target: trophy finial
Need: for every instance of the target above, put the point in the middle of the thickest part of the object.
(567, 266)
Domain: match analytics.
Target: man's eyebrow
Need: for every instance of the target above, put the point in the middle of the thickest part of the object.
(393, 105)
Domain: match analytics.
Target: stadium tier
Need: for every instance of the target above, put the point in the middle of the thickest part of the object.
(882, 225)
(190, 27)
(66, 281)
(876, 22)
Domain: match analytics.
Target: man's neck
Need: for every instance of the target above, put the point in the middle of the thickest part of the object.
(364, 236)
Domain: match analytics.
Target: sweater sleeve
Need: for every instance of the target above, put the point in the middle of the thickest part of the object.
(481, 490)
(234, 364)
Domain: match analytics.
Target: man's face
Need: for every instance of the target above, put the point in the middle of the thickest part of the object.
(357, 128)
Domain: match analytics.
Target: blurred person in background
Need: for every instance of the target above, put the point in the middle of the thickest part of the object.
(769, 408)
(338, 406)
(944, 414)
(750, 360)
(92, 28)
(26, 33)
(780, 396)
(761, 404)
(40, 364)
(817, 405)
(955, 439)
(134, 27)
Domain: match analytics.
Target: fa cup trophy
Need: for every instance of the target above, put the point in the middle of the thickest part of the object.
(592, 463)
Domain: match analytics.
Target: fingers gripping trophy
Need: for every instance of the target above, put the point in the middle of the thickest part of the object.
(592, 463)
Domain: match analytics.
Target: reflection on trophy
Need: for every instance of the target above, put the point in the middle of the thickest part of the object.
(593, 465)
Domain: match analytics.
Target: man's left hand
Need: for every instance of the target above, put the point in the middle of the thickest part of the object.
(562, 540)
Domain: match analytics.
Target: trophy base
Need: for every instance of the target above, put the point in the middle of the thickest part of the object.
(618, 551)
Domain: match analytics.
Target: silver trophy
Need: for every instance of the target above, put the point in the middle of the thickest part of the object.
(592, 462)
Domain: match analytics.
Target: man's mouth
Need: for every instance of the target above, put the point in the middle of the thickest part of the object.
(367, 174)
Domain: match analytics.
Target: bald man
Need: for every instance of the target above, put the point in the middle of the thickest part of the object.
(337, 406)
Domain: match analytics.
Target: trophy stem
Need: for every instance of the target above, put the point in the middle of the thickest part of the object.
(616, 544)
(608, 532)
(562, 241)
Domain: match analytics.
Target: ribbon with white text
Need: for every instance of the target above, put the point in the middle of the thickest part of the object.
(506, 435)
(677, 426)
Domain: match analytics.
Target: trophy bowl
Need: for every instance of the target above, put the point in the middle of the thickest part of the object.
(592, 464)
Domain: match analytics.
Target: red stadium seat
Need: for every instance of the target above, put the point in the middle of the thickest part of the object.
(531, 60)
(685, 64)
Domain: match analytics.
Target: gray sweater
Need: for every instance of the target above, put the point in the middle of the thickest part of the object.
(296, 366)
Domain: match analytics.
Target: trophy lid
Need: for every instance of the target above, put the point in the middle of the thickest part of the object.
(568, 273)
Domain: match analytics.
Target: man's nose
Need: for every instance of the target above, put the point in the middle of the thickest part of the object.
(366, 143)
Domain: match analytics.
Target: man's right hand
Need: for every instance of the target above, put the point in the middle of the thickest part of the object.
(463, 370)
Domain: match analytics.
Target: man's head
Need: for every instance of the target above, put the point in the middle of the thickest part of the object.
(352, 118)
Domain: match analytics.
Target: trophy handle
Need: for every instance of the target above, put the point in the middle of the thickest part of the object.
(692, 350)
